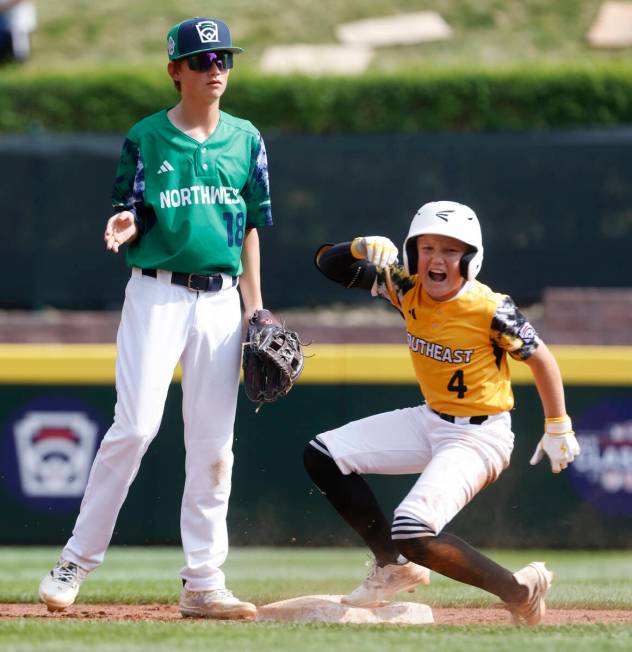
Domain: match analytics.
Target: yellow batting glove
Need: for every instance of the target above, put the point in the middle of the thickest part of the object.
(378, 250)
(558, 443)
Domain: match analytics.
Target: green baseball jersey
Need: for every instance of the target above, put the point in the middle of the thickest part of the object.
(192, 201)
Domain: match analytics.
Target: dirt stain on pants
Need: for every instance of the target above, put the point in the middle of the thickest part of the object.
(220, 472)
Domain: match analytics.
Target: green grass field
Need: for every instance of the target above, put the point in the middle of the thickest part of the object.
(487, 32)
(592, 580)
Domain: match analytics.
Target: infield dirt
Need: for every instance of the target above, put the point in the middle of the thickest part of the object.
(442, 616)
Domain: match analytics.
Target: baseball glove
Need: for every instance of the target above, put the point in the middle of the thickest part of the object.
(273, 358)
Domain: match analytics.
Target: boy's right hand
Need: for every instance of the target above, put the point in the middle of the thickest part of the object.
(376, 249)
(120, 228)
(558, 443)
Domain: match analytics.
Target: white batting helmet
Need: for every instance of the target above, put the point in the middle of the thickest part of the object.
(451, 219)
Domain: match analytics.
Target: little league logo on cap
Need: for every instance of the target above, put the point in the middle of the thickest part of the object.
(207, 29)
(199, 35)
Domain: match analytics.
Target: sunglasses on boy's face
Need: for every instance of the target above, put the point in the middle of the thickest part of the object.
(203, 61)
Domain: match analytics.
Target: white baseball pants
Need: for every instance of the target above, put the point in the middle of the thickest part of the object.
(455, 461)
(162, 323)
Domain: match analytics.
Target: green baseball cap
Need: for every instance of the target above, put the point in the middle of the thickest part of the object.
(199, 35)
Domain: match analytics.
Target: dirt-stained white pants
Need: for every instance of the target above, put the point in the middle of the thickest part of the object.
(162, 323)
(455, 461)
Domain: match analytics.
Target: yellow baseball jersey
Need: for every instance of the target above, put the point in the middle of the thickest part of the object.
(459, 347)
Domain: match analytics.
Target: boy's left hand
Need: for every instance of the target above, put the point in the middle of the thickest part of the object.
(558, 443)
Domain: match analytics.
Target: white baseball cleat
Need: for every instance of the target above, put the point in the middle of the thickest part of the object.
(537, 579)
(383, 582)
(59, 588)
(219, 603)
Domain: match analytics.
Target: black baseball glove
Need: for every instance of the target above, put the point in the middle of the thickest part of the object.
(273, 358)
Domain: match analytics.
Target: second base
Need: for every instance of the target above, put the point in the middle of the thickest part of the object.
(329, 609)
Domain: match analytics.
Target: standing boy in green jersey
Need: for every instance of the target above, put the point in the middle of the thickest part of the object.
(190, 192)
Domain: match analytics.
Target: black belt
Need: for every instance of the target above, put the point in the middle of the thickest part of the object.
(476, 421)
(197, 282)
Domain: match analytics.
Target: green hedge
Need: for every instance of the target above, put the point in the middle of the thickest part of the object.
(455, 100)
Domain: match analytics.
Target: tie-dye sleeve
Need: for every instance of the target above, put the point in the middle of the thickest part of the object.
(129, 185)
(128, 193)
(512, 332)
(256, 192)
(392, 283)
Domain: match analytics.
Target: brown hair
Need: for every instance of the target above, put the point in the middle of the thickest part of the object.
(172, 66)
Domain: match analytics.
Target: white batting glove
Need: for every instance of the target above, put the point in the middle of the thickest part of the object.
(558, 443)
(376, 249)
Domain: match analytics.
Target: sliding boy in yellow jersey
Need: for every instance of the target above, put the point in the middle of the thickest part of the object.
(459, 332)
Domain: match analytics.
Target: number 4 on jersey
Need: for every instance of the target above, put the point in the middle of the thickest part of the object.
(457, 384)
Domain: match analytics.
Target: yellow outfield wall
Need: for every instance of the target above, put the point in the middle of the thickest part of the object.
(93, 364)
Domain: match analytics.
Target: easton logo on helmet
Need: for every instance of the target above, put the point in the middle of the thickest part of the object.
(444, 215)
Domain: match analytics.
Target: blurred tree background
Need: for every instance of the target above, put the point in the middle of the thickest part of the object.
(492, 33)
